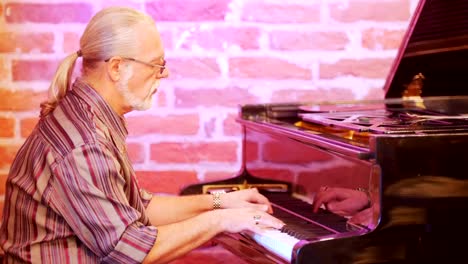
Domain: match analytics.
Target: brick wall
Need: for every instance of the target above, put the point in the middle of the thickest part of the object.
(221, 53)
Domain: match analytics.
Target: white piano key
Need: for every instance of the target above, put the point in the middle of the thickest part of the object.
(277, 242)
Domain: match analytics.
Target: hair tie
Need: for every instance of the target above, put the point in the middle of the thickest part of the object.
(79, 53)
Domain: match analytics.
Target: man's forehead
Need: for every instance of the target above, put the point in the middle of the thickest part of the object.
(157, 58)
(151, 45)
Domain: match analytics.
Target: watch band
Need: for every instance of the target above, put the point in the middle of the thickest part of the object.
(216, 200)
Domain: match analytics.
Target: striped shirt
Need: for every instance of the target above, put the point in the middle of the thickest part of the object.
(71, 194)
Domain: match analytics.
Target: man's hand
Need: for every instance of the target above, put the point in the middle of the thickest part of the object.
(248, 198)
(341, 201)
(246, 219)
(364, 218)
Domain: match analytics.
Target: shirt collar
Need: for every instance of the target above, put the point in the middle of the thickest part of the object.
(100, 108)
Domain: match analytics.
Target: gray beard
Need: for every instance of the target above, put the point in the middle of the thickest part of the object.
(133, 101)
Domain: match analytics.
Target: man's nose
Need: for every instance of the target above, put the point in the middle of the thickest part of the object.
(165, 73)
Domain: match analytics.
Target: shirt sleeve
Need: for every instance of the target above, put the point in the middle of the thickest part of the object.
(145, 197)
(89, 191)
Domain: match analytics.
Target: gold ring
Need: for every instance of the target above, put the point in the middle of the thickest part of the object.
(256, 218)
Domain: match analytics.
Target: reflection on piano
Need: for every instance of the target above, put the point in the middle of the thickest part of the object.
(408, 152)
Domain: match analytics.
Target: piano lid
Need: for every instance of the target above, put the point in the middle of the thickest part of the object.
(433, 57)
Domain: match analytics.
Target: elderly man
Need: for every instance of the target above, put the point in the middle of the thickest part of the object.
(72, 196)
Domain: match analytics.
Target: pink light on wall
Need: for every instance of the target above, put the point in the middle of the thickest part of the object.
(221, 54)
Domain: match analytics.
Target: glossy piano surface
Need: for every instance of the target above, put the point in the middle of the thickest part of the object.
(416, 181)
(408, 152)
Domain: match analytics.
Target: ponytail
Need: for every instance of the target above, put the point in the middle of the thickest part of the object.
(110, 32)
(60, 83)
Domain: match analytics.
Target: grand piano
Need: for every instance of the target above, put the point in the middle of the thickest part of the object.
(408, 152)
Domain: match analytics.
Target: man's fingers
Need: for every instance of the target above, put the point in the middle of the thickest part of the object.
(362, 218)
(323, 197)
(264, 220)
(339, 206)
(256, 197)
(326, 195)
(260, 207)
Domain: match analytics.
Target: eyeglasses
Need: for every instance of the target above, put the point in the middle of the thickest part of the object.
(161, 67)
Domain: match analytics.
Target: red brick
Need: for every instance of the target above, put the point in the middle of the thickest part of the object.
(274, 151)
(71, 42)
(5, 69)
(27, 125)
(135, 152)
(7, 127)
(367, 68)
(7, 154)
(196, 68)
(227, 97)
(294, 40)
(109, 3)
(257, 11)
(231, 127)
(166, 181)
(219, 38)
(193, 152)
(370, 10)
(188, 10)
(26, 42)
(267, 68)
(380, 39)
(22, 100)
(173, 124)
(316, 95)
(49, 13)
(33, 70)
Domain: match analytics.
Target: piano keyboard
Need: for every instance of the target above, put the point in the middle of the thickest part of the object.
(286, 206)
(300, 224)
(278, 242)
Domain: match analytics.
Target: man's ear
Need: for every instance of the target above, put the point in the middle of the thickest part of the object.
(113, 68)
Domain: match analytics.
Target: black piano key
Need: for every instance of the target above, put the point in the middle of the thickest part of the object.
(304, 209)
(305, 232)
